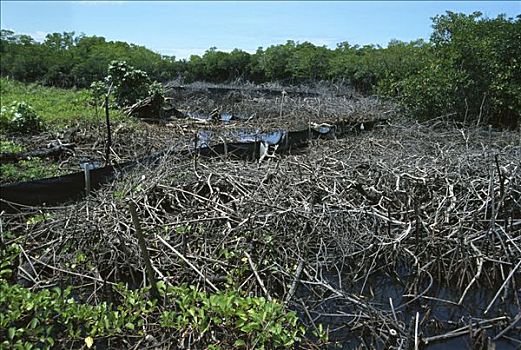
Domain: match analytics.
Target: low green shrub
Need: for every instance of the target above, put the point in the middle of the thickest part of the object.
(241, 321)
(130, 85)
(20, 117)
(228, 319)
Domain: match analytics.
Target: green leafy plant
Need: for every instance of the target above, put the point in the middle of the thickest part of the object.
(156, 94)
(98, 90)
(20, 117)
(7, 257)
(130, 85)
(322, 334)
(251, 322)
(33, 220)
(7, 146)
(26, 170)
(49, 316)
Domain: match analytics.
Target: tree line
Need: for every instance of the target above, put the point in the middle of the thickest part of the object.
(67, 60)
(470, 68)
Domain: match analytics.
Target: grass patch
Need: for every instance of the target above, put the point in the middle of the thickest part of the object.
(27, 170)
(7, 146)
(58, 107)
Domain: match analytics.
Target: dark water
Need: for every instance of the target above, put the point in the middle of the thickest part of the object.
(442, 317)
(463, 342)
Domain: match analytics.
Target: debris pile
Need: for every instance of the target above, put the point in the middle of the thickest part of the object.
(405, 236)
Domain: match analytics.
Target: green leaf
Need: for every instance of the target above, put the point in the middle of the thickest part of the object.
(161, 286)
(50, 341)
(239, 342)
(29, 306)
(11, 332)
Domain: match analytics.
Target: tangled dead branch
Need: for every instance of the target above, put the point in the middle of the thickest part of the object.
(404, 235)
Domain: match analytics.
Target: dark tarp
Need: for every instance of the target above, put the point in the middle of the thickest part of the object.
(62, 189)
(54, 190)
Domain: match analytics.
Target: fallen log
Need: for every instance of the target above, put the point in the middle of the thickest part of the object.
(55, 152)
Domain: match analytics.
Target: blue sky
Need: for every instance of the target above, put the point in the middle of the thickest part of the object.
(184, 28)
